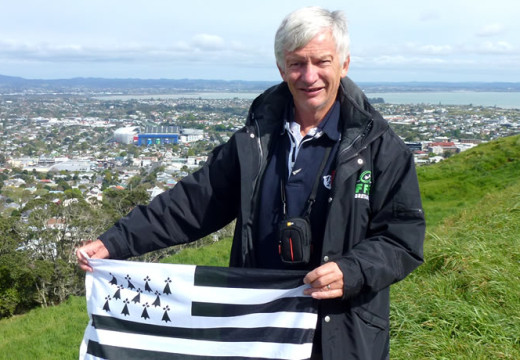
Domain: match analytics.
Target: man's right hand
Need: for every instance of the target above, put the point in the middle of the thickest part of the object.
(94, 250)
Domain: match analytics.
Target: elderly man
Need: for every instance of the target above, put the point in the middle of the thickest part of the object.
(316, 180)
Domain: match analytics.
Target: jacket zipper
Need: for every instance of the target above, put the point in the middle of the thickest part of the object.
(252, 214)
(356, 139)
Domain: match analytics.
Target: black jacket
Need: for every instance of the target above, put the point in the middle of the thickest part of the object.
(375, 225)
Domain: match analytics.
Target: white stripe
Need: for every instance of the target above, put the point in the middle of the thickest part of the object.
(91, 357)
(204, 348)
(241, 296)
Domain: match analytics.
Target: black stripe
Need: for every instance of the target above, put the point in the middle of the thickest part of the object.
(222, 310)
(248, 278)
(260, 334)
(114, 352)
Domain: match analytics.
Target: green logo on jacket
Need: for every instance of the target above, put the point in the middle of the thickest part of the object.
(363, 185)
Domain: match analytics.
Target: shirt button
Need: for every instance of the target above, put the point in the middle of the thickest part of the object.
(330, 200)
(327, 318)
(252, 136)
(326, 258)
(360, 161)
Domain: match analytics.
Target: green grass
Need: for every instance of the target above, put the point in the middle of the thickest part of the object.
(216, 254)
(463, 303)
(461, 181)
(45, 334)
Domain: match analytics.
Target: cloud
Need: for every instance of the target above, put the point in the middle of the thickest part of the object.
(430, 49)
(200, 50)
(208, 42)
(491, 30)
(499, 47)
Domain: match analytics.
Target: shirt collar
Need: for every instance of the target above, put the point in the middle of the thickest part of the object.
(329, 125)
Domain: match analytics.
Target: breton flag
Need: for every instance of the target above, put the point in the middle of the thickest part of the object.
(165, 311)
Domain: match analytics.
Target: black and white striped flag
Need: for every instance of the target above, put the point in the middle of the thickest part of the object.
(164, 311)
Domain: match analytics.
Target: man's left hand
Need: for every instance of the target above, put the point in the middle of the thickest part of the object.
(326, 282)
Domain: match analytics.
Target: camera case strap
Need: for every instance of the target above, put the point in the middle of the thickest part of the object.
(294, 233)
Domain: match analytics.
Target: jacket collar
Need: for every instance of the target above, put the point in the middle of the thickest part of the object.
(361, 123)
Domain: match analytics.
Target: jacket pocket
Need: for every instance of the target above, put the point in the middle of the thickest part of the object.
(373, 335)
(371, 320)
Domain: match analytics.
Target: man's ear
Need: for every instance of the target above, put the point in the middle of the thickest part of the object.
(344, 67)
(282, 72)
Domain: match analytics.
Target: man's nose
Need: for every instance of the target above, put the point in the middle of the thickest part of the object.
(309, 74)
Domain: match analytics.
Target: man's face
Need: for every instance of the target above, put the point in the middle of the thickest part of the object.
(313, 74)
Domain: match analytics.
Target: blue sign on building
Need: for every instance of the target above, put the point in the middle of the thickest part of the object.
(158, 139)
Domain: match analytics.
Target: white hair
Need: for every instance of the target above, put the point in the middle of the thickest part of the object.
(302, 25)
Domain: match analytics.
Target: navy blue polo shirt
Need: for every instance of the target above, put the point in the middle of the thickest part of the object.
(299, 165)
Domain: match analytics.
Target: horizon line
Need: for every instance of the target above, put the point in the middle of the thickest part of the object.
(252, 81)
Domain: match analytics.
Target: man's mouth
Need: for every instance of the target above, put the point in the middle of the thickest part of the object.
(312, 90)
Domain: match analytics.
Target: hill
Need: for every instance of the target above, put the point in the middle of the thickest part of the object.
(461, 181)
(461, 304)
(11, 84)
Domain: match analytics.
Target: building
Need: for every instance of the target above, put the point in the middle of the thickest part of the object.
(72, 165)
(443, 148)
(126, 135)
(414, 146)
(191, 135)
(163, 135)
(159, 135)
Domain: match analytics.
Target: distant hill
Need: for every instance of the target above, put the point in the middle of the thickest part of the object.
(130, 86)
(10, 84)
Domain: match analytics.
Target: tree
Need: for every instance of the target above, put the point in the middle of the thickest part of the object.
(16, 277)
(118, 203)
(134, 181)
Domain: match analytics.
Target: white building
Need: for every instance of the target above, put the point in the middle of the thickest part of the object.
(126, 135)
(72, 165)
(191, 135)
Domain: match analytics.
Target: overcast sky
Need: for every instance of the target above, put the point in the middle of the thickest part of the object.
(398, 40)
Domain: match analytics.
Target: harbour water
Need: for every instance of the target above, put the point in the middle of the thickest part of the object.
(509, 100)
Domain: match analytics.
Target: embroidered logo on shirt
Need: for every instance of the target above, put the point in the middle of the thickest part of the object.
(363, 185)
(327, 181)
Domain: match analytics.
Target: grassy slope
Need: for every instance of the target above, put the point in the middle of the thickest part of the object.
(45, 334)
(461, 304)
(461, 181)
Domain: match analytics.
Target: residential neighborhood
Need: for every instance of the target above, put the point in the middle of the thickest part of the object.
(52, 143)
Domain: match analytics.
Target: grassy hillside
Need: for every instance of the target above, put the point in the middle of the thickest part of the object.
(464, 303)
(462, 180)
(51, 333)
(461, 304)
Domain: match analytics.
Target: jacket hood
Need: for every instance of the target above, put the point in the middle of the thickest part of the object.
(363, 121)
